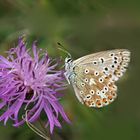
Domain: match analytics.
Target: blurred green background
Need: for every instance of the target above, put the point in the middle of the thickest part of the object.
(83, 27)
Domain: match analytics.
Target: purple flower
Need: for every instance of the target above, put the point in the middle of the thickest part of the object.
(31, 83)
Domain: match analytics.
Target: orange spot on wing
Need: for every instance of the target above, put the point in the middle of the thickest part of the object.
(99, 103)
(105, 100)
(110, 97)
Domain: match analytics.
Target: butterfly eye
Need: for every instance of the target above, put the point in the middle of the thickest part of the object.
(68, 60)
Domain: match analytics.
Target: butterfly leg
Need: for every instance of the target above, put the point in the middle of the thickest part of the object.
(67, 77)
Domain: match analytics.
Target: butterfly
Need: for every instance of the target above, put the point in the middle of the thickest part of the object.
(93, 76)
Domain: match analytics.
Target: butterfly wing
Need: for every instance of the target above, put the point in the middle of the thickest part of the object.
(91, 90)
(95, 76)
(112, 62)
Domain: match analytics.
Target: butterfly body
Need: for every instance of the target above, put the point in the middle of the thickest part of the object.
(93, 76)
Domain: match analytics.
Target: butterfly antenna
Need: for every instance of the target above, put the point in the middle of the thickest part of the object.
(63, 50)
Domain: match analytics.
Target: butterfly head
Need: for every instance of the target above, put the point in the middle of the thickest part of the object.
(68, 60)
(68, 63)
(68, 68)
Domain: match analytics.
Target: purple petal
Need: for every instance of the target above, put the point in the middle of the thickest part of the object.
(32, 83)
(2, 104)
(5, 61)
(50, 117)
(36, 114)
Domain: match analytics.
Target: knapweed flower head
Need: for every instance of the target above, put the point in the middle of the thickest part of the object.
(30, 82)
